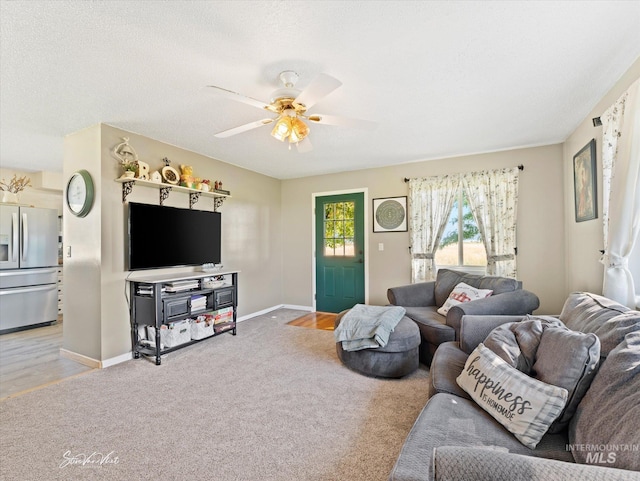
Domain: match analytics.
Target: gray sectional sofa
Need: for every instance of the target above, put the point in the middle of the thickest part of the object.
(422, 301)
(455, 439)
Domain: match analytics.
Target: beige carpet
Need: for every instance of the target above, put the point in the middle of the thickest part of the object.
(272, 403)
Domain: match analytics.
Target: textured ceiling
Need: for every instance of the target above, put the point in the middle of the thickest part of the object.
(441, 79)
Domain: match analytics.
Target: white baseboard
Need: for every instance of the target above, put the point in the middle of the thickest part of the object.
(273, 308)
(94, 363)
(259, 313)
(117, 360)
(85, 360)
(298, 308)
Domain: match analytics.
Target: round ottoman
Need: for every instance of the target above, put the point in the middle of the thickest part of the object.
(398, 358)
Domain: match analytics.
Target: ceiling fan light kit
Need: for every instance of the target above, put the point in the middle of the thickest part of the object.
(282, 129)
(291, 104)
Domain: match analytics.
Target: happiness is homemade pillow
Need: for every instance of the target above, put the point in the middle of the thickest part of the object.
(522, 404)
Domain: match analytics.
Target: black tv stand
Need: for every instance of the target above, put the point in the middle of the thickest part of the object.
(161, 302)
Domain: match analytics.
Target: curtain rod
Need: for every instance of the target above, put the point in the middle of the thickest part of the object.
(520, 167)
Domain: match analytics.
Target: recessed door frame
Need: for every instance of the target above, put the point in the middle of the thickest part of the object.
(365, 193)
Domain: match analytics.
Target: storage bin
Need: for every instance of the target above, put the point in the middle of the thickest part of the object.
(218, 328)
(176, 334)
(201, 329)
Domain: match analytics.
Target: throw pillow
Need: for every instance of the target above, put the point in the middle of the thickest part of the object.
(463, 293)
(523, 405)
(567, 359)
(610, 321)
(517, 342)
(607, 420)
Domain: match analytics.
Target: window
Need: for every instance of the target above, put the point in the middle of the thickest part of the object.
(461, 243)
(339, 228)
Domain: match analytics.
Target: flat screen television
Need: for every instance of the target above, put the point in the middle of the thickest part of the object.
(161, 236)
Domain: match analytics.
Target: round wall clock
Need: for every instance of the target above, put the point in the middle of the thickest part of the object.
(80, 193)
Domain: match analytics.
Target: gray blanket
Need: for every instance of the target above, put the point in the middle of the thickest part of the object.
(366, 327)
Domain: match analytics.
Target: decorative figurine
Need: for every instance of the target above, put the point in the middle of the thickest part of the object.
(155, 177)
(143, 170)
(169, 174)
(124, 152)
(186, 177)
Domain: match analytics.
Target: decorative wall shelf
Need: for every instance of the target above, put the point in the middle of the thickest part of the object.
(166, 189)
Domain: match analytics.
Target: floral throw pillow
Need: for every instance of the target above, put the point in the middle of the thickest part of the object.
(463, 293)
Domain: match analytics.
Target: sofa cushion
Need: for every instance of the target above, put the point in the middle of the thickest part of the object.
(447, 279)
(609, 415)
(448, 420)
(570, 360)
(522, 404)
(516, 343)
(432, 325)
(463, 293)
(448, 363)
(610, 321)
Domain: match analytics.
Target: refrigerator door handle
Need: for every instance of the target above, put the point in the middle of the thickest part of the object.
(14, 235)
(47, 287)
(25, 237)
(29, 272)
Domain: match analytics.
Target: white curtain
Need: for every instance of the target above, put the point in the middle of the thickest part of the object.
(621, 194)
(493, 198)
(430, 202)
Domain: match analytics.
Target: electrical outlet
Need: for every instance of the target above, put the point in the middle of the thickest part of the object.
(380, 246)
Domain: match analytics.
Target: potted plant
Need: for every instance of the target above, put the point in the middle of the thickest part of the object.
(11, 190)
(130, 169)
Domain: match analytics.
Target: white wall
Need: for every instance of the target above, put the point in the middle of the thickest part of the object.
(83, 271)
(540, 223)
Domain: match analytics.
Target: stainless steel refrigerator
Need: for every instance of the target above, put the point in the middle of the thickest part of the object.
(28, 267)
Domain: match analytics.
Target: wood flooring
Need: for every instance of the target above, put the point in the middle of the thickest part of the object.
(316, 320)
(30, 359)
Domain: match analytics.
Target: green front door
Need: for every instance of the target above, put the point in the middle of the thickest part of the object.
(339, 252)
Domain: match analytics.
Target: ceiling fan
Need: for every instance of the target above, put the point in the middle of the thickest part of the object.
(290, 106)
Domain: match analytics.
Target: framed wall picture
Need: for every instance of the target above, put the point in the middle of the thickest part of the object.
(584, 182)
(390, 214)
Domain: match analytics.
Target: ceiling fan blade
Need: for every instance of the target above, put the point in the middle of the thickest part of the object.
(240, 98)
(342, 121)
(320, 87)
(304, 145)
(243, 128)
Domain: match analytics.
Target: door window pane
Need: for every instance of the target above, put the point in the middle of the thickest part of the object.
(339, 228)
